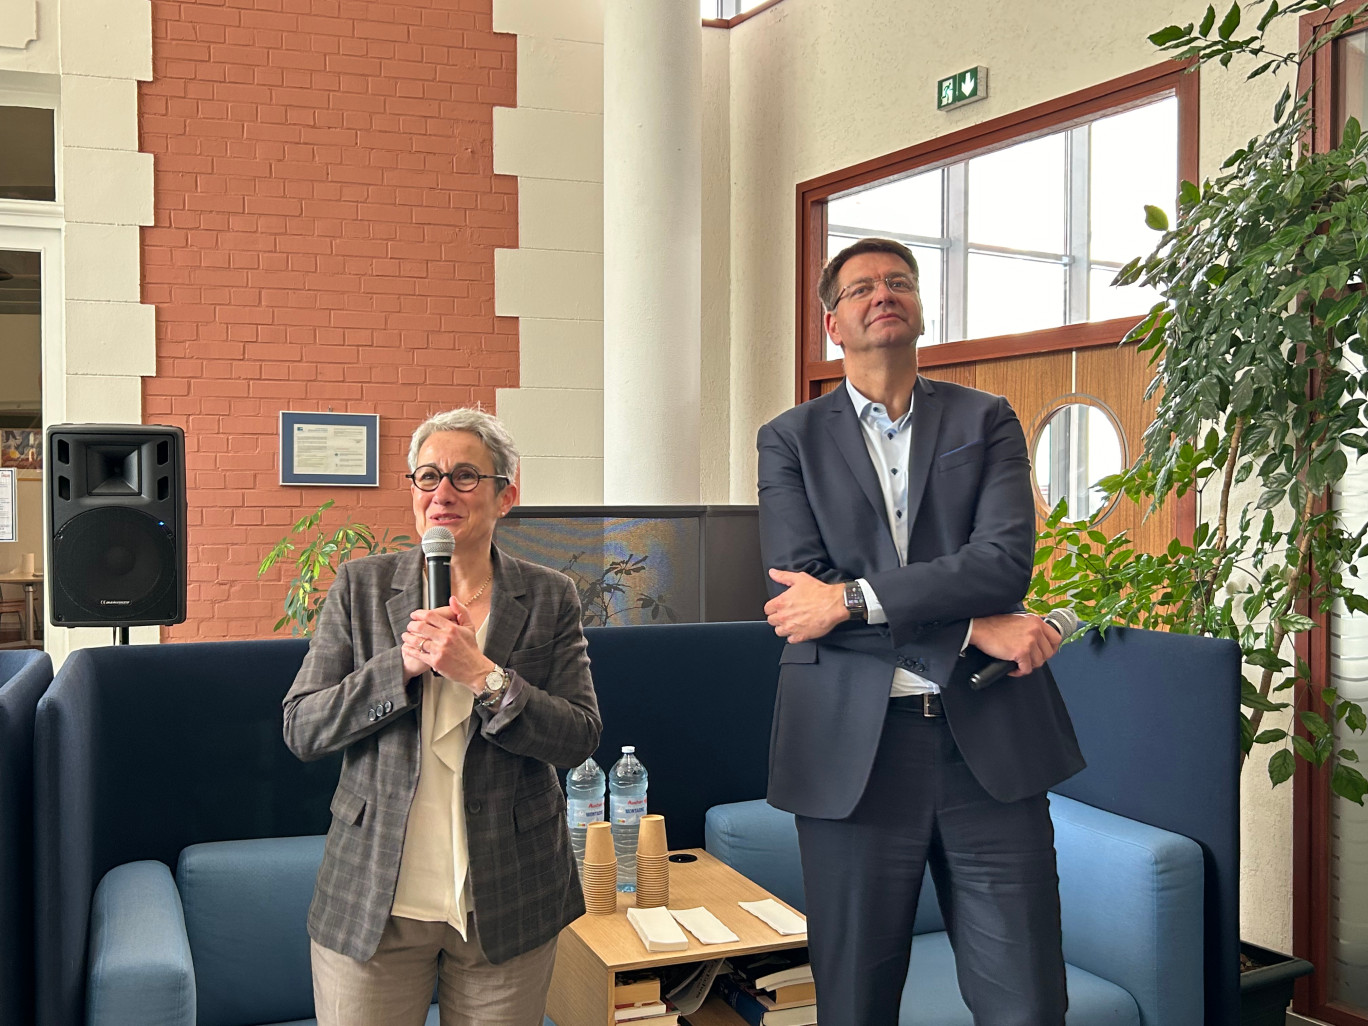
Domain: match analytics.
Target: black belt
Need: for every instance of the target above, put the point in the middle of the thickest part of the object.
(927, 703)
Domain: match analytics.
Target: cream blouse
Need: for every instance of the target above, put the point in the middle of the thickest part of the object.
(434, 869)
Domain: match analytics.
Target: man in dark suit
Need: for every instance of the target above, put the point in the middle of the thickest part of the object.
(897, 522)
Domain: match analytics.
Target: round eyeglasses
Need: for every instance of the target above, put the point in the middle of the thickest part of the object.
(428, 478)
(898, 284)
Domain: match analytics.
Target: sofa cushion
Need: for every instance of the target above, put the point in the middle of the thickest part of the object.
(246, 910)
(932, 994)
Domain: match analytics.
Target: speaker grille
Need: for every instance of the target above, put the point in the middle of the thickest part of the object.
(113, 565)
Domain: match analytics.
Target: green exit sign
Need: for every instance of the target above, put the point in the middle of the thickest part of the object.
(961, 88)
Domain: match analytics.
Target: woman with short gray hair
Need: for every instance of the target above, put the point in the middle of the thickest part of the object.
(448, 860)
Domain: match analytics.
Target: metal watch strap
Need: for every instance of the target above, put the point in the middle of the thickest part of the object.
(855, 601)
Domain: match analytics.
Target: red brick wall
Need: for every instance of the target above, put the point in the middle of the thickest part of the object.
(326, 219)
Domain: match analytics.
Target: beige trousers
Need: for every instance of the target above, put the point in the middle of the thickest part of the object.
(394, 988)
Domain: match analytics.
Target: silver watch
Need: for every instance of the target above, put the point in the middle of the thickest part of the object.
(495, 686)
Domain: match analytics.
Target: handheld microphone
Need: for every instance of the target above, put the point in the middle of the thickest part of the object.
(438, 545)
(1065, 622)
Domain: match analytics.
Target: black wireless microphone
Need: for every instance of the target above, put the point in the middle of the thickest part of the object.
(1063, 620)
(438, 545)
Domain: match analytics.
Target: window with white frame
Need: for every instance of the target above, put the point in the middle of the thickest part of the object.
(1027, 236)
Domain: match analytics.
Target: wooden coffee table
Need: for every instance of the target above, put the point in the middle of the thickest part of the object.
(593, 949)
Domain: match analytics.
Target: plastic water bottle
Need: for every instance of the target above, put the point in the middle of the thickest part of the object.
(627, 788)
(584, 791)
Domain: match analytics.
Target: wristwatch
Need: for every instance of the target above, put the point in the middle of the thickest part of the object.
(495, 686)
(855, 601)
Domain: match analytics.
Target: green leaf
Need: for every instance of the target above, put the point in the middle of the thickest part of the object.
(1167, 35)
(1314, 723)
(1303, 748)
(1348, 782)
(1268, 16)
(1231, 21)
(1156, 218)
(1267, 737)
(1280, 767)
(1350, 137)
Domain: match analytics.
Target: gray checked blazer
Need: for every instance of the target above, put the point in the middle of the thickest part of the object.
(351, 695)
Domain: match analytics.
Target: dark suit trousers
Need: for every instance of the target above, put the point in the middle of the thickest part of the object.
(993, 864)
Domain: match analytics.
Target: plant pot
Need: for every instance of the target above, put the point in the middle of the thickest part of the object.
(1266, 990)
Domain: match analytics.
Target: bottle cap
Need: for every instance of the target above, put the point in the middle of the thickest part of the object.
(628, 749)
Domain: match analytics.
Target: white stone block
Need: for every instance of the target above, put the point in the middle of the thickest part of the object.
(111, 338)
(103, 399)
(580, 20)
(548, 144)
(560, 353)
(548, 283)
(554, 421)
(560, 215)
(107, 186)
(101, 262)
(18, 23)
(100, 113)
(111, 38)
(547, 481)
(560, 74)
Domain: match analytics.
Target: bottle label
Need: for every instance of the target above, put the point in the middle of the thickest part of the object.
(581, 813)
(629, 809)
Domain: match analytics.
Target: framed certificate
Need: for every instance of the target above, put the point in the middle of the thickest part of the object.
(8, 505)
(330, 449)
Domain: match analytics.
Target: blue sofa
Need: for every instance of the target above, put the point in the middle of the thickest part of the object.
(24, 676)
(144, 752)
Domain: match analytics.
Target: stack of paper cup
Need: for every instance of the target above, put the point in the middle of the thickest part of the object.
(598, 874)
(653, 866)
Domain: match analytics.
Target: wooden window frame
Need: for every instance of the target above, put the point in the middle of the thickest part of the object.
(737, 19)
(1172, 77)
(1311, 794)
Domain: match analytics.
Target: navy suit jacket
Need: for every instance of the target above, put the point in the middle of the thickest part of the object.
(971, 542)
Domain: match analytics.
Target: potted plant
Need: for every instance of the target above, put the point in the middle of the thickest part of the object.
(318, 560)
(1258, 342)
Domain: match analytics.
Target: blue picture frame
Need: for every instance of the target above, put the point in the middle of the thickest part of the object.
(330, 449)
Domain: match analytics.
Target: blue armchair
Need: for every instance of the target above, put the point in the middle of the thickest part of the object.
(1131, 902)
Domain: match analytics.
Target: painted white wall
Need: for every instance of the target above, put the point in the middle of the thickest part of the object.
(553, 281)
(99, 341)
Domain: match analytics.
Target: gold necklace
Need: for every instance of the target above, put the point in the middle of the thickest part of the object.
(466, 602)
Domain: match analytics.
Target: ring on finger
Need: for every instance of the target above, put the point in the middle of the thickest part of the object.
(422, 646)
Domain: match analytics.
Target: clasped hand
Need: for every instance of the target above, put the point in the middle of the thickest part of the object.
(443, 639)
(807, 608)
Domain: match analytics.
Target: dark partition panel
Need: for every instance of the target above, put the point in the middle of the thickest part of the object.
(647, 564)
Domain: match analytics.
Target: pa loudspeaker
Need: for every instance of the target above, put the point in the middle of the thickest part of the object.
(116, 509)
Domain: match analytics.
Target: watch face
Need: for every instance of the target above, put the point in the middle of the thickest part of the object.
(495, 680)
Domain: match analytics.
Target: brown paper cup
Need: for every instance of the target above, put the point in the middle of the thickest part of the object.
(651, 836)
(598, 844)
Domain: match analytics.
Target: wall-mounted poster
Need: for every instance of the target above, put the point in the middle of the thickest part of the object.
(21, 448)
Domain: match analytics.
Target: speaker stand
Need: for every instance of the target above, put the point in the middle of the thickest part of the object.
(121, 635)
